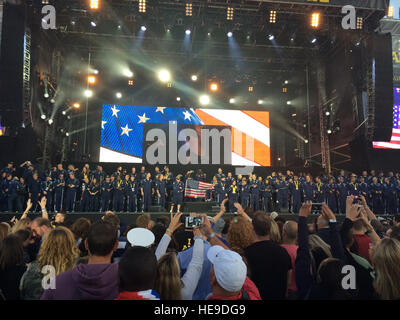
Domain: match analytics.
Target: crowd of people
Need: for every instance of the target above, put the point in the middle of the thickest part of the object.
(87, 190)
(252, 255)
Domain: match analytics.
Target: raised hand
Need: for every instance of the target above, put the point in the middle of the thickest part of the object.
(305, 209)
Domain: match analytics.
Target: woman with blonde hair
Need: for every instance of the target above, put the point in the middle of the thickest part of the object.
(169, 284)
(240, 234)
(57, 250)
(386, 262)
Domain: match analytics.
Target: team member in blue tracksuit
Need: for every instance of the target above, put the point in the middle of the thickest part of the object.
(254, 193)
(85, 195)
(118, 196)
(389, 196)
(319, 191)
(59, 190)
(106, 190)
(295, 191)
(221, 190)
(283, 194)
(376, 191)
(147, 191)
(266, 192)
(177, 194)
(47, 191)
(229, 179)
(35, 188)
(94, 191)
(245, 194)
(331, 195)
(72, 186)
(12, 194)
(363, 188)
(233, 196)
(398, 196)
(161, 188)
(308, 189)
(132, 194)
(353, 186)
(342, 192)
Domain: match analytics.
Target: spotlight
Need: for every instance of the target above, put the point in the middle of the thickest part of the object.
(91, 79)
(329, 131)
(204, 100)
(189, 9)
(327, 113)
(286, 82)
(64, 113)
(94, 4)
(271, 37)
(214, 86)
(142, 6)
(194, 77)
(229, 34)
(178, 98)
(52, 101)
(209, 34)
(46, 95)
(51, 121)
(251, 89)
(260, 102)
(164, 75)
(279, 159)
(93, 24)
(314, 40)
(360, 22)
(231, 100)
(315, 20)
(69, 117)
(43, 116)
(95, 71)
(188, 32)
(229, 13)
(67, 134)
(272, 16)
(88, 93)
(128, 73)
(143, 28)
(118, 95)
(288, 102)
(119, 27)
(306, 141)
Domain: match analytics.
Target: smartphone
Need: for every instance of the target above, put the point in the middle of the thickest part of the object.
(192, 222)
(316, 208)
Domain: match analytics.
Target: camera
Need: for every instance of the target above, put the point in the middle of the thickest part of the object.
(192, 222)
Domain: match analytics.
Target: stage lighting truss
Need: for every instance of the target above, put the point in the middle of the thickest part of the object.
(45, 1)
(189, 9)
(272, 16)
(94, 4)
(229, 13)
(315, 17)
(142, 6)
(359, 23)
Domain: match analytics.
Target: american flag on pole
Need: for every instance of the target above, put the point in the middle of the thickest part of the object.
(395, 140)
(197, 189)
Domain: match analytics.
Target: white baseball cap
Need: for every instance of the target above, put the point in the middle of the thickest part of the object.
(140, 237)
(229, 268)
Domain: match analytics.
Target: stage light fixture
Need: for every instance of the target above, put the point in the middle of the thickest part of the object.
(327, 113)
(306, 141)
(143, 28)
(288, 102)
(188, 32)
(251, 89)
(88, 93)
(360, 22)
(279, 159)
(52, 100)
(128, 73)
(43, 116)
(260, 101)
(142, 6)
(76, 105)
(164, 75)
(51, 121)
(178, 98)
(272, 16)
(286, 81)
(45, 1)
(91, 79)
(204, 100)
(229, 13)
(93, 23)
(118, 95)
(314, 40)
(214, 86)
(271, 37)
(390, 12)
(95, 71)
(229, 34)
(130, 83)
(189, 9)
(67, 134)
(94, 4)
(329, 131)
(194, 77)
(231, 100)
(119, 27)
(64, 112)
(315, 19)
(46, 95)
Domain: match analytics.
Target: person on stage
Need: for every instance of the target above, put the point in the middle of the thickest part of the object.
(177, 194)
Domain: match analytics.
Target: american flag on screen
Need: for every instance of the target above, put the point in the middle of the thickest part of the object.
(122, 131)
(395, 140)
(197, 189)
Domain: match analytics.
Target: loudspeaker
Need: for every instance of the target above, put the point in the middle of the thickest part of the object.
(383, 73)
(12, 65)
